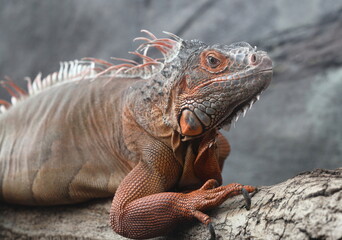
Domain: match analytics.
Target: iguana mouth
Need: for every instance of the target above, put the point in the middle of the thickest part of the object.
(242, 108)
(232, 77)
(239, 110)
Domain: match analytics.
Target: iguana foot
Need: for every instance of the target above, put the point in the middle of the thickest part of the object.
(210, 196)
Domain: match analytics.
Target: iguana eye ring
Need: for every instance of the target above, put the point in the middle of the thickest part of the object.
(213, 62)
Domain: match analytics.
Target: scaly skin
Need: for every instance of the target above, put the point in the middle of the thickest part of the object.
(154, 125)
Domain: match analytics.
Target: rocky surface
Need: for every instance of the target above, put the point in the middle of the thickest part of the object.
(304, 207)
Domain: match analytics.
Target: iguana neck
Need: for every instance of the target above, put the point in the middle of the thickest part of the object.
(147, 101)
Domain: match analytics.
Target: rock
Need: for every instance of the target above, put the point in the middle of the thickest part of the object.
(304, 207)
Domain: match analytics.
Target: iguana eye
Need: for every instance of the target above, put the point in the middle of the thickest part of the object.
(212, 61)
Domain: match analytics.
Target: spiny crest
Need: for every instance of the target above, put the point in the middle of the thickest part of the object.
(93, 68)
(69, 71)
(14, 90)
(169, 48)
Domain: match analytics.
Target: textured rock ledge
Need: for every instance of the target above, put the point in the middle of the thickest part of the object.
(307, 206)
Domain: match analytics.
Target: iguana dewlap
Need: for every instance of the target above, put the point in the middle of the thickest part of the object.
(147, 132)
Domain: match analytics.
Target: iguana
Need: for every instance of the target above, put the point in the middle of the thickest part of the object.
(148, 132)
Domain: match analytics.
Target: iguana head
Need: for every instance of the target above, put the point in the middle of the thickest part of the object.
(210, 86)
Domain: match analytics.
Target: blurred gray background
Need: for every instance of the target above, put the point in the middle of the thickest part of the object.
(296, 126)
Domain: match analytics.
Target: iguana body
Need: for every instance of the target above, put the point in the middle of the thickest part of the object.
(140, 130)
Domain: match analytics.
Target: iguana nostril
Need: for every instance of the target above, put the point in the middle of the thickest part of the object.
(253, 58)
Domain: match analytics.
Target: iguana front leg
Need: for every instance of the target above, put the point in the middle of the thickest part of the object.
(142, 209)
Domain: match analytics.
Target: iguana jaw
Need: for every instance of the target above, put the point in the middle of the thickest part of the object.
(241, 109)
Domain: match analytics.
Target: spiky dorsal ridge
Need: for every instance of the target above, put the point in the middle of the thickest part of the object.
(92, 68)
(69, 71)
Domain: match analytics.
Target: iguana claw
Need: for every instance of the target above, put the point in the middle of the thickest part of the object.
(212, 231)
(247, 198)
